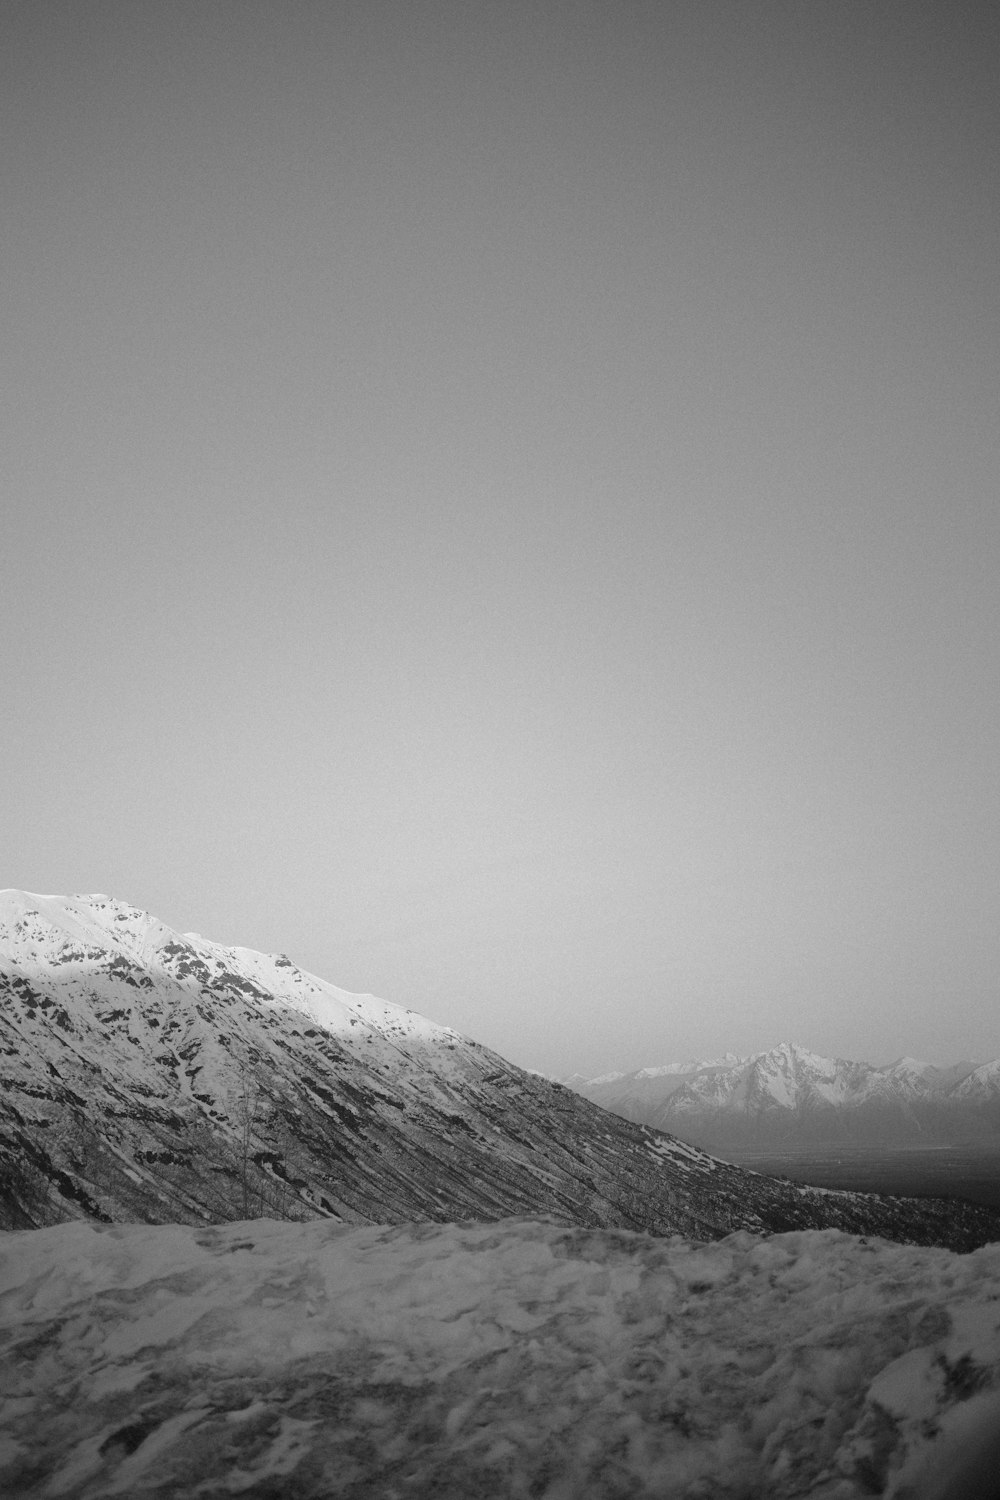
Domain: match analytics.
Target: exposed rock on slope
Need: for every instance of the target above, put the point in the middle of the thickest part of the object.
(149, 1075)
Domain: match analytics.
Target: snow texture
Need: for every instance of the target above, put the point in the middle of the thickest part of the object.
(516, 1359)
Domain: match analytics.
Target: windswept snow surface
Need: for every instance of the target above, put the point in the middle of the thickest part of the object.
(508, 1360)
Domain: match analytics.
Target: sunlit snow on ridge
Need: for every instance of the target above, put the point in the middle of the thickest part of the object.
(31, 920)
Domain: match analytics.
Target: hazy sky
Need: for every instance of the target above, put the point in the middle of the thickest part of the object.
(500, 503)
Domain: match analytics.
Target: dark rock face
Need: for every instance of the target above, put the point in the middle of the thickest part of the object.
(152, 1077)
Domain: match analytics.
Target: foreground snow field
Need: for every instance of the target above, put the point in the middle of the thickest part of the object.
(509, 1360)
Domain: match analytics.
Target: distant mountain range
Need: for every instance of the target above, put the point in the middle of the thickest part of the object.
(792, 1097)
(149, 1075)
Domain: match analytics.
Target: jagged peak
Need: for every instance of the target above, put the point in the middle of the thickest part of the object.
(796, 1054)
(910, 1066)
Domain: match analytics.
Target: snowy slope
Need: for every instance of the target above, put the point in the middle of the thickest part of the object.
(792, 1095)
(516, 1359)
(982, 1083)
(151, 1075)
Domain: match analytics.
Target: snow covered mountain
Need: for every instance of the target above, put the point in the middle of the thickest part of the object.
(156, 1076)
(790, 1096)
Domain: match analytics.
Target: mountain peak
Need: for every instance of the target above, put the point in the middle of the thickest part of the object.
(910, 1066)
(797, 1055)
(791, 1095)
(151, 1075)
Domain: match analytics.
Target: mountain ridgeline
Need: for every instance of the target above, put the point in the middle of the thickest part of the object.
(790, 1097)
(148, 1075)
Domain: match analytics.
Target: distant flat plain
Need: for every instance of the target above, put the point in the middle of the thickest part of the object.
(971, 1172)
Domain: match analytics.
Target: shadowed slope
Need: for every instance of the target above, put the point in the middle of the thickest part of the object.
(150, 1075)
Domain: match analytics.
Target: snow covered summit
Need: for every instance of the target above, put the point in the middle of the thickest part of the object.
(790, 1096)
(50, 932)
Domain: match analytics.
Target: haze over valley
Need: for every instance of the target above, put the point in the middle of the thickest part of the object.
(790, 1096)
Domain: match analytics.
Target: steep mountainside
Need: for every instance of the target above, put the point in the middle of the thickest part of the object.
(790, 1096)
(149, 1075)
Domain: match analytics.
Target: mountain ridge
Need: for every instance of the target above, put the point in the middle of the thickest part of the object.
(792, 1095)
(156, 1076)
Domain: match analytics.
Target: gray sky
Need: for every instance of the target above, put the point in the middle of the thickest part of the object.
(501, 504)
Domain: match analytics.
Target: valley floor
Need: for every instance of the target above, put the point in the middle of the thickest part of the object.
(970, 1172)
(508, 1360)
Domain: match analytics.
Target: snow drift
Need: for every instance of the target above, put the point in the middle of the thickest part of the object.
(516, 1359)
